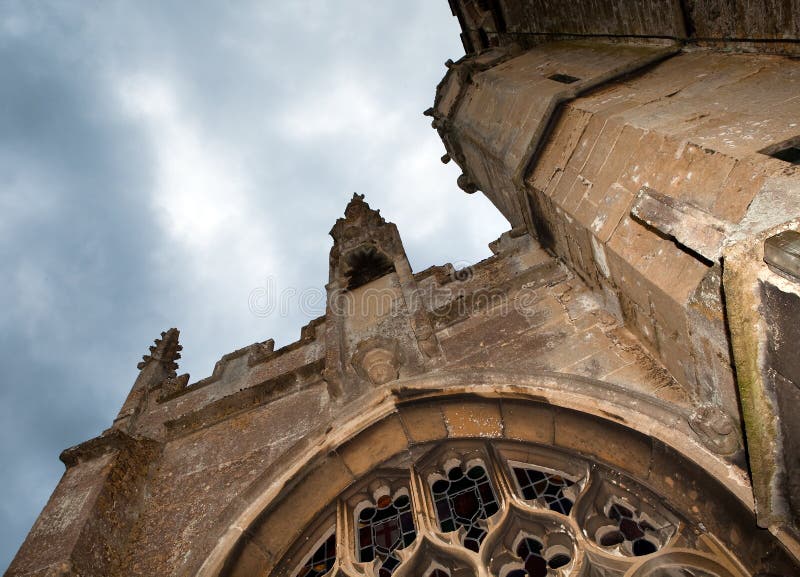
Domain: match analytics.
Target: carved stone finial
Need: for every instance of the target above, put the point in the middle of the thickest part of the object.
(716, 429)
(165, 351)
(358, 222)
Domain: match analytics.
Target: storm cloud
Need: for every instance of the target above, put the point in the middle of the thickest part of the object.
(160, 161)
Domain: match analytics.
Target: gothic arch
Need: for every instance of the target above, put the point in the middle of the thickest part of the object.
(639, 436)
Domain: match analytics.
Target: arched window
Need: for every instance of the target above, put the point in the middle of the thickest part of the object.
(365, 264)
(460, 509)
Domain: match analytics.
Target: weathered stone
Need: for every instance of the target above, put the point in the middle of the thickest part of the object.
(423, 423)
(526, 422)
(386, 440)
(611, 444)
(473, 419)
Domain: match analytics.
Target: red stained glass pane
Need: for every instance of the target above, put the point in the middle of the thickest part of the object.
(466, 504)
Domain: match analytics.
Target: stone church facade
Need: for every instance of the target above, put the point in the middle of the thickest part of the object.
(613, 393)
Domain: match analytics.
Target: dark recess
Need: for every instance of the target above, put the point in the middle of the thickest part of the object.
(563, 78)
(365, 264)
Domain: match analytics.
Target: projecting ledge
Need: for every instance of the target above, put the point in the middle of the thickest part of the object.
(782, 251)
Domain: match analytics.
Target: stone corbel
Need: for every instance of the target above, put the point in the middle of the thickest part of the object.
(378, 360)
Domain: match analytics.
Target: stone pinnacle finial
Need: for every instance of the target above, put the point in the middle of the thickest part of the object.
(358, 219)
(356, 203)
(166, 351)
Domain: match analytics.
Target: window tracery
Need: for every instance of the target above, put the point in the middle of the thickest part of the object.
(508, 510)
(556, 490)
(464, 498)
(322, 560)
(627, 525)
(384, 525)
(536, 560)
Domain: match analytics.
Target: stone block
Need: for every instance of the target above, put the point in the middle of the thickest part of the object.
(689, 226)
(581, 187)
(781, 306)
(301, 505)
(643, 162)
(787, 394)
(614, 206)
(674, 352)
(631, 284)
(563, 186)
(473, 419)
(739, 189)
(603, 148)
(249, 560)
(586, 145)
(528, 422)
(380, 442)
(423, 422)
(616, 445)
(634, 243)
(557, 152)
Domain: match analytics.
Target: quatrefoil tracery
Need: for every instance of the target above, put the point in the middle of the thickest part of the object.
(461, 515)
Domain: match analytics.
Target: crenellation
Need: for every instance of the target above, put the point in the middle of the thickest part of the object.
(242, 368)
(172, 387)
(244, 399)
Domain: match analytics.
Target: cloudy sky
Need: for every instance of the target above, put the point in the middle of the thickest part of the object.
(160, 161)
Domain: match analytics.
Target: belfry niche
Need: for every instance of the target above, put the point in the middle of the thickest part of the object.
(612, 393)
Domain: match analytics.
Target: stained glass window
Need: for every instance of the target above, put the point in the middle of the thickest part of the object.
(628, 527)
(530, 551)
(626, 520)
(384, 527)
(462, 500)
(321, 561)
(549, 487)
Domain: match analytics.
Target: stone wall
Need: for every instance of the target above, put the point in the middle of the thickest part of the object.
(644, 179)
(768, 26)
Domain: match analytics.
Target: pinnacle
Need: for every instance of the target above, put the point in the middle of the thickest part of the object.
(166, 351)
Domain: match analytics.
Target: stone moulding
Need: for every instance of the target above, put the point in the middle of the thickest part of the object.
(257, 395)
(257, 353)
(112, 441)
(611, 404)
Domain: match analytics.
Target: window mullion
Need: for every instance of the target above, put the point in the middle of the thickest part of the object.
(345, 536)
(422, 500)
(506, 492)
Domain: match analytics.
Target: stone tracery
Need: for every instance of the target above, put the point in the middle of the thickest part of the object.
(474, 508)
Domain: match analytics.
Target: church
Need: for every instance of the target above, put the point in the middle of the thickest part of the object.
(613, 393)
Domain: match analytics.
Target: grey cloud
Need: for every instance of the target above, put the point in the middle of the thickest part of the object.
(110, 114)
